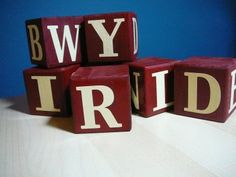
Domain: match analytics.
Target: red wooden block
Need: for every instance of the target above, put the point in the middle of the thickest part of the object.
(111, 37)
(152, 85)
(48, 90)
(205, 88)
(54, 41)
(101, 99)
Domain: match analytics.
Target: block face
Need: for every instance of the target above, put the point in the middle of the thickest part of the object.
(203, 88)
(111, 37)
(48, 90)
(152, 85)
(54, 41)
(101, 99)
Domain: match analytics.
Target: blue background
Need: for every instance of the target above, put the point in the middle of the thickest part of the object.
(175, 29)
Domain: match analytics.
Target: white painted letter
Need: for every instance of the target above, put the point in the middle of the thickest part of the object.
(34, 42)
(215, 93)
(135, 95)
(45, 93)
(107, 40)
(135, 33)
(89, 108)
(233, 88)
(60, 49)
(160, 90)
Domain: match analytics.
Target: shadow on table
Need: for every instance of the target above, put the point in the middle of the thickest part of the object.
(19, 104)
(63, 123)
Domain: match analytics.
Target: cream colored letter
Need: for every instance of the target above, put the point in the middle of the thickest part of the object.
(135, 33)
(45, 93)
(89, 108)
(215, 93)
(60, 49)
(107, 40)
(233, 88)
(160, 90)
(34, 43)
(135, 95)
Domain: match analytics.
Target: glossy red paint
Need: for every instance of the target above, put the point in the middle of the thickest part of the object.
(219, 70)
(144, 85)
(54, 41)
(48, 90)
(107, 87)
(111, 37)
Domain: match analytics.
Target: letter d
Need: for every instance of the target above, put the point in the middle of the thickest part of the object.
(215, 93)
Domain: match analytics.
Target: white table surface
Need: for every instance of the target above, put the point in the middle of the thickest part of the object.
(165, 145)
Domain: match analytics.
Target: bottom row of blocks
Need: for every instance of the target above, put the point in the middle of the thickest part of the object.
(100, 96)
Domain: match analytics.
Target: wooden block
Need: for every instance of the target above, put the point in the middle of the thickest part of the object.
(111, 37)
(54, 41)
(48, 90)
(101, 99)
(152, 85)
(205, 88)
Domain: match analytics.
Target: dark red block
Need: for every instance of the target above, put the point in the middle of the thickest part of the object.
(152, 85)
(101, 99)
(48, 90)
(111, 37)
(54, 41)
(205, 88)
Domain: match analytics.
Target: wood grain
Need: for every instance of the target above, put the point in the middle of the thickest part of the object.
(164, 145)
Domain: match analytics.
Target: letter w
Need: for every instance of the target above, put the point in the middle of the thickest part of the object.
(60, 49)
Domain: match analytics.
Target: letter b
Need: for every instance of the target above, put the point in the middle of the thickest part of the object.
(35, 46)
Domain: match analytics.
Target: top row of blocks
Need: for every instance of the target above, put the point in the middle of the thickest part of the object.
(103, 38)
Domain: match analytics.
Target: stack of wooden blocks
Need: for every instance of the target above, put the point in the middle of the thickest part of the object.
(87, 67)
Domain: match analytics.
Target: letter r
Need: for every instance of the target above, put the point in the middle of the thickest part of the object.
(89, 108)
